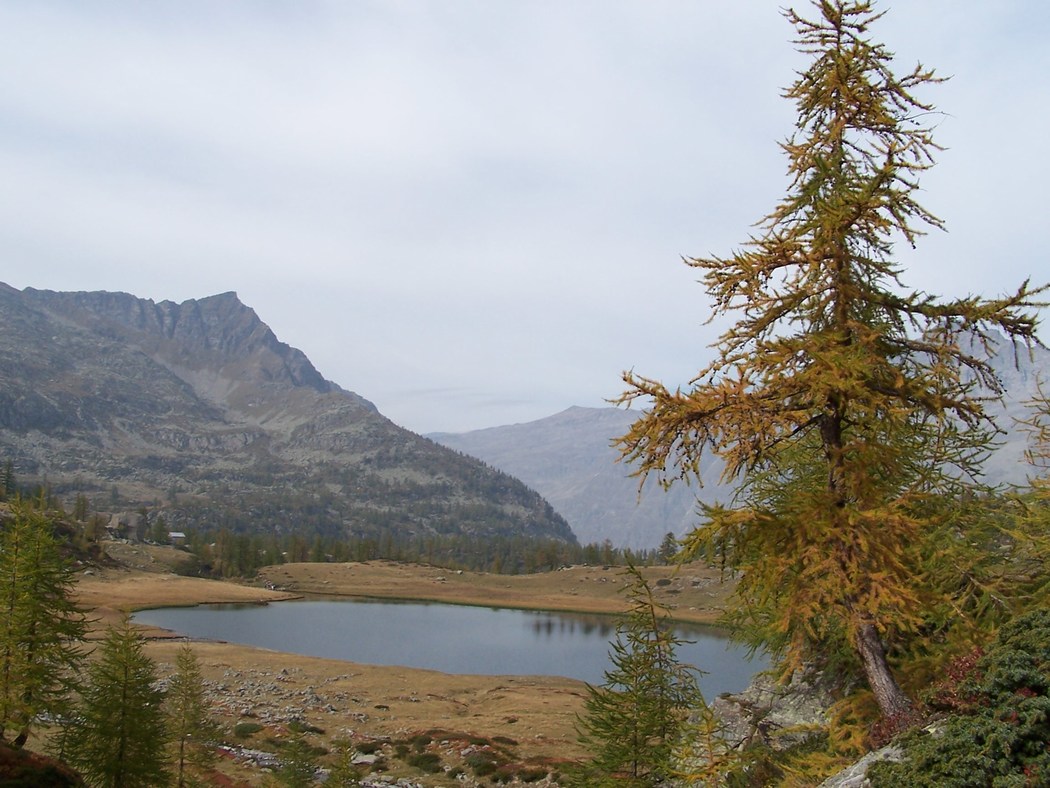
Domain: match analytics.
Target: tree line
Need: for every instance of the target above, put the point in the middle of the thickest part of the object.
(229, 554)
(115, 725)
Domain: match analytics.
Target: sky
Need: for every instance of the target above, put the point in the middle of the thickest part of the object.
(474, 212)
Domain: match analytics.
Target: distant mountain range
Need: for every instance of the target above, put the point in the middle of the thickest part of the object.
(570, 460)
(199, 409)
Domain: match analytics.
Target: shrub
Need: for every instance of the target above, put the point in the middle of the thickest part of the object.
(532, 774)
(429, 762)
(243, 730)
(482, 763)
(1000, 737)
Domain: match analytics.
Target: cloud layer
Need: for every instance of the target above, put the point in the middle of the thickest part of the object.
(472, 213)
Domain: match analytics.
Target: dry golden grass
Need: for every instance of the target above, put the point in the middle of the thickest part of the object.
(691, 592)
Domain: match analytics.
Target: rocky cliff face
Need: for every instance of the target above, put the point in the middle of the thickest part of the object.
(200, 406)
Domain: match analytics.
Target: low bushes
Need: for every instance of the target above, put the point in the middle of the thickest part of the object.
(999, 727)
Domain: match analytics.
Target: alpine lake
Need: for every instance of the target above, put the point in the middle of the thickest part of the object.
(450, 638)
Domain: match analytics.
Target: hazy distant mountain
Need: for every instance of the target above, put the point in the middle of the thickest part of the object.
(569, 459)
(199, 407)
(1019, 373)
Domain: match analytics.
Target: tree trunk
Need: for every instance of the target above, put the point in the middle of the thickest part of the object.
(888, 694)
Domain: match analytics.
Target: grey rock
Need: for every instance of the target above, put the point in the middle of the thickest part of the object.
(856, 776)
(778, 715)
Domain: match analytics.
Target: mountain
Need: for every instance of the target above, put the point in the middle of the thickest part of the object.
(199, 406)
(1019, 373)
(570, 460)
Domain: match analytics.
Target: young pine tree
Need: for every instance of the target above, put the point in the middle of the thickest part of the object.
(298, 763)
(41, 628)
(119, 739)
(843, 403)
(632, 724)
(189, 723)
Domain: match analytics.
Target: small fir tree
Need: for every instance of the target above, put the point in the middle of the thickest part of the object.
(189, 722)
(7, 481)
(41, 628)
(343, 773)
(632, 723)
(119, 737)
(298, 763)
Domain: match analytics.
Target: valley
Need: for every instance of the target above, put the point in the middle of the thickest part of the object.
(368, 703)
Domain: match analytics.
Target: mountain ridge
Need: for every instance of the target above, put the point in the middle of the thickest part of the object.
(200, 404)
(570, 459)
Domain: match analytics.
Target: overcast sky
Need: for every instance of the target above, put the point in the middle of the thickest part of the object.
(473, 212)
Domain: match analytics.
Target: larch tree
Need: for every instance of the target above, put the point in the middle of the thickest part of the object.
(842, 403)
(119, 737)
(41, 628)
(633, 722)
(190, 726)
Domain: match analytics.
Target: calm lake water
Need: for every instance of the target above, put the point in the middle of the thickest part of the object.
(448, 638)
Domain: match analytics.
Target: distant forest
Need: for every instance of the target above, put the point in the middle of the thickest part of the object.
(221, 544)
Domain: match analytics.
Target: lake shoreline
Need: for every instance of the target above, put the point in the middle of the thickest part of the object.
(690, 593)
(459, 638)
(369, 702)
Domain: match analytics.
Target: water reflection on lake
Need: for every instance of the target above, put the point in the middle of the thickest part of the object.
(448, 638)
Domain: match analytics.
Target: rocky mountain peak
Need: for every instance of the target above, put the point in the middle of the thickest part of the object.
(217, 333)
(200, 404)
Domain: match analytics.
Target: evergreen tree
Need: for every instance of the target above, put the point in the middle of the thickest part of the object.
(189, 723)
(843, 403)
(159, 531)
(7, 481)
(343, 773)
(298, 765)
(40, 626)
(119, 737)
(633, 722)
(668, 548)
(81, 508)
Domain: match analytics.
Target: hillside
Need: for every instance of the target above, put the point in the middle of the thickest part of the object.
(199, 409)
(570, 460)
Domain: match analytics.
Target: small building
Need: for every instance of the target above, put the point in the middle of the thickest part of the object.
(177, 538)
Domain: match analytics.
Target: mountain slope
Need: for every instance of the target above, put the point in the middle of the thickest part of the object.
(200, 404)
(569, 459)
